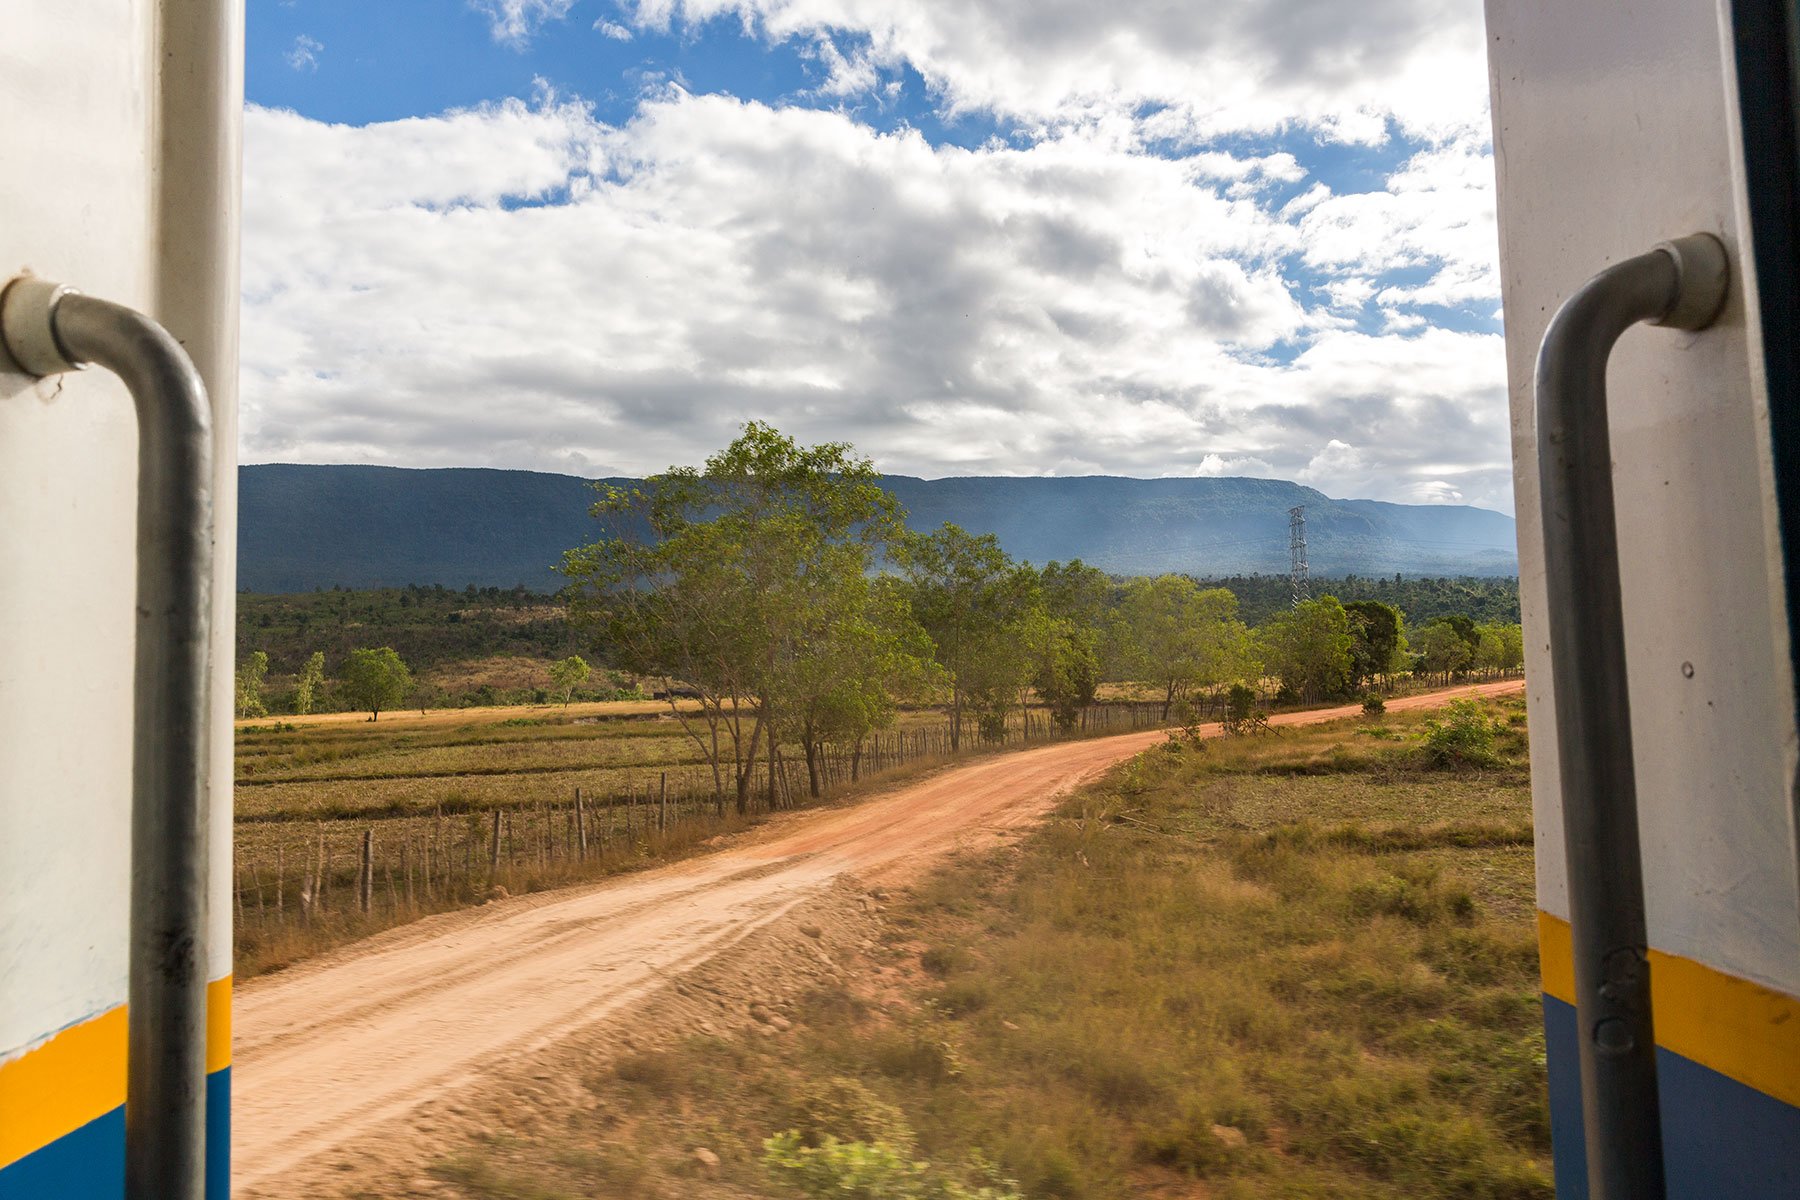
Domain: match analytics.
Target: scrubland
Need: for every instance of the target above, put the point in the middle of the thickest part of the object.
(1298, 964)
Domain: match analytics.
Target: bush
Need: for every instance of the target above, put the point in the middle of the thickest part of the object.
(864, 1171)
(1373, 705)
(1462, 737)
(842, 1107)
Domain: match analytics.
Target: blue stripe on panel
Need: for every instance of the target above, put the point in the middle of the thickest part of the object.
(1722, 1140)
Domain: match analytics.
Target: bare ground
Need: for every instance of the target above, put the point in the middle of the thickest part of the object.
(357, 1070)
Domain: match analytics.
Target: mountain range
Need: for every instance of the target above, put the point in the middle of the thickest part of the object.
(305, 527)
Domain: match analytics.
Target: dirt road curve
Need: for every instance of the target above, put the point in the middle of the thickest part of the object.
(327, 1052)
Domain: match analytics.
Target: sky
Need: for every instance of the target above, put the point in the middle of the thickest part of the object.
(971, 237)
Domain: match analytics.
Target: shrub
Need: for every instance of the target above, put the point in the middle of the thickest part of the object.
(1462, 737)
(1373, 705)
(964, 996)
(864, 1171)
(844, 1108)
(917, 1057)
(945, 961)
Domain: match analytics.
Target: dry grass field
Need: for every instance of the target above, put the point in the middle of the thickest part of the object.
(1296, 965)
(456, 803)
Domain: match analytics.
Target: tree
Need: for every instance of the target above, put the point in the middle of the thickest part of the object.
(375, 679)
(1309, 648)
(863, 653)
(1377, 640)
(1443, 650)
(569, 674)
(718, 577)
(970, 599)
(1182, 637)
(1065, 665)
(251, 674)
(1499, 647)
(310, 683)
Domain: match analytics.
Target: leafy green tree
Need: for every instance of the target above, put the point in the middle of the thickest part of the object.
(862, 653)
(971, 599)
(717, 576)
(569, 674)
(1065, 668)
(1443, 650)
(1309, 648)
(310, 683)
(1467, 630)
(1089, 598)
(1499, 647)
(375, 680)
(1182, 637)
(1377, 640)
(251, 675)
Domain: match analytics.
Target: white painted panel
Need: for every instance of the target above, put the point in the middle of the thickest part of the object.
(1613, 131)
(81, 112)
(75, 113)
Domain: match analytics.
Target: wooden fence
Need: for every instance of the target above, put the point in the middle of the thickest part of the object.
(362, 874)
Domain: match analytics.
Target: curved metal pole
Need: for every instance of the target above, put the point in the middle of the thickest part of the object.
(165, 1097)
(1682, 284)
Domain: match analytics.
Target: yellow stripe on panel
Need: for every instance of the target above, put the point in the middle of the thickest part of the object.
(79, 1076)
(1556, 957)
(218, 1025)
(1740, 1029)
(76, 1077)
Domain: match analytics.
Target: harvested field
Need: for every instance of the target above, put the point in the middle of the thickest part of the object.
(348, 827)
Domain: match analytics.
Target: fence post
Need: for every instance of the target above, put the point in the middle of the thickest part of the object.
(580, 827)
(494, 856)
(662, 811)
(365, 878)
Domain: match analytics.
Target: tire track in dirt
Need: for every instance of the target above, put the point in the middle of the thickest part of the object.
(344, 1048)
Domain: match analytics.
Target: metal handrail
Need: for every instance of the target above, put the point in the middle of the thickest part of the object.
(48, 329)
(1680, 284)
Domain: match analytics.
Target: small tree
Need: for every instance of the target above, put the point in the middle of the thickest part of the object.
(250, 676)
(1065, 668)
(376, 679)
(1443, 650)
(1309, 648)
(971, 598)
(1377, 640)
(569, 674)
(310, 684)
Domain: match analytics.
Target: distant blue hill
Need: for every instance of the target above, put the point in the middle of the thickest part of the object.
(306, 527)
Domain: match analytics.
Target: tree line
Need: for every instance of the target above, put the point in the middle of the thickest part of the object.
(372, 680)
(779, 583)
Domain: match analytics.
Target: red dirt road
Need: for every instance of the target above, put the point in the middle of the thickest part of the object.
(335, 1049)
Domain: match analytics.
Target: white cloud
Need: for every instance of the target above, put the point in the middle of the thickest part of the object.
(850, 74)
(1435, 491)
(613, 30)
(525, 286)
(1192, 72)
(1216, 465)
(1436, 213)
(515, 21)
(305, 54)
